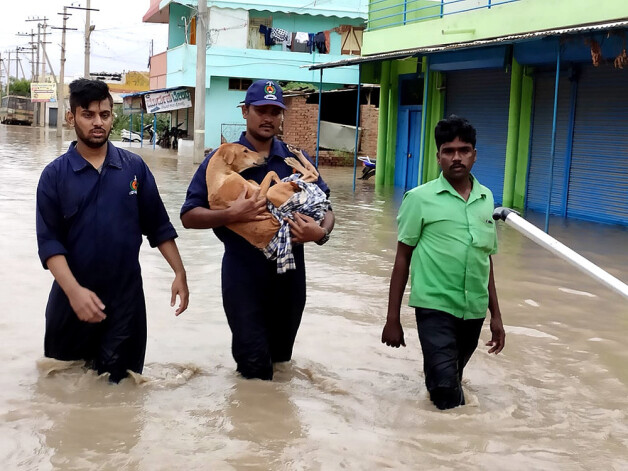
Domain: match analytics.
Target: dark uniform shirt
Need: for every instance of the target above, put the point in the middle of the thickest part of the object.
(97, 221)
(263, 308)
(197, 191)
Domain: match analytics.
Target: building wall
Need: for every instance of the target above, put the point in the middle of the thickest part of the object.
(300, 127)
(228, 27)
(501, 20)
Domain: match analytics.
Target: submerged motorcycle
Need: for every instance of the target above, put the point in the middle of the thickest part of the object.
(128, 136)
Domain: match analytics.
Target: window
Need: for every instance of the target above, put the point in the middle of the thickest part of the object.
(411, 91)
(351, 39)
(239, 84)
(256, 39)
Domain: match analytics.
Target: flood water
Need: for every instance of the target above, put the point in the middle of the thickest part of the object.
(555, 399)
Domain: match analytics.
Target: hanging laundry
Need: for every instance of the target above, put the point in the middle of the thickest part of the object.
(310, 42)
(299, 42)
(278, 35)
(318, 41)
(265, 30)
(287, 43)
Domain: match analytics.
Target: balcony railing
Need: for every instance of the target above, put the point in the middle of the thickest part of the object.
(388, 13)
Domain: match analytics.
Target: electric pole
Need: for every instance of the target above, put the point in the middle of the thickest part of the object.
(41, 54)
(32, 49)
(88, 31)
(9, 74)
(199, 91)
(60, 85)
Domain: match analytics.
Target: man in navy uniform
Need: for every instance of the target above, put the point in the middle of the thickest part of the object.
(263, 308)
(94, 203)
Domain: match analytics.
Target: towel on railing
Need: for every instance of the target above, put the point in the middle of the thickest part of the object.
(311, 201)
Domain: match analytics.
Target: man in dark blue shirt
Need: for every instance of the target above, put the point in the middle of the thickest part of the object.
(263, 308)
(94, 203)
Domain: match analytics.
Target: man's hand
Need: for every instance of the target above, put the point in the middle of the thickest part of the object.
(304, 229)
(392, 335)
(498, 339)
(87, 306)
(180, 287)
(250, 209)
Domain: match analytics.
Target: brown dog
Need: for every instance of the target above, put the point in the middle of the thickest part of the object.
(225, 185)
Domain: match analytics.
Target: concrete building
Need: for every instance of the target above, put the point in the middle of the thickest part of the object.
(561, 150)
(238, 52)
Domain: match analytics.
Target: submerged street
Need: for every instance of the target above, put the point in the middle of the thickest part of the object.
(555, 398)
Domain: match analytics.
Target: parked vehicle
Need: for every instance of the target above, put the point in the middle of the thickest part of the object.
(368, 169)
(128, 136)
(16, 110)
(176, 133)
(170, 137)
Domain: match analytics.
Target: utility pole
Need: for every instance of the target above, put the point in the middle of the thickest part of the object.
(18, 64)
(2, 64)
(32, 49)
(199, 91)
(88, 31)
(9, 74)
(41, 54)
(60, 85)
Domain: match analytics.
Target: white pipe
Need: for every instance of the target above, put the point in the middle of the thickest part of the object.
(544, 240)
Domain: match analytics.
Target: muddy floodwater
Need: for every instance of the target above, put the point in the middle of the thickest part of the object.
(555, 399)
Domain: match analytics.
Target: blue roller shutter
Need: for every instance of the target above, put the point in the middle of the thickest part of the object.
(483, 97)
(598, 188)
(540, 152)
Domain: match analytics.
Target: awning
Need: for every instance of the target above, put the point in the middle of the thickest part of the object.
(157, 101)
(419, 51)
(156, 15)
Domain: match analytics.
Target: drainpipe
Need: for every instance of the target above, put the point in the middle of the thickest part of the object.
(553, 148)
(382, 124)
(512, 145)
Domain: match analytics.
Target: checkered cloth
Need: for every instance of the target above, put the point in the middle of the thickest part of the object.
(311, 201)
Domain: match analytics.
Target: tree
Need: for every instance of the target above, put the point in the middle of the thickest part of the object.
(19, 87)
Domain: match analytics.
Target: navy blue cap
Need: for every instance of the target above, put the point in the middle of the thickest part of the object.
(264, 92)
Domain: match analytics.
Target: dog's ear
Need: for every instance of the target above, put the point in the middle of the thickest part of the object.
(230, 154)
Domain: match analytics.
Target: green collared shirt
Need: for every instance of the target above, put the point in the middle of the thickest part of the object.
(453, 240)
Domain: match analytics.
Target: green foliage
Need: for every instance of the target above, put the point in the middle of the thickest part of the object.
(19, 87)
(301, 86)
(121, 121)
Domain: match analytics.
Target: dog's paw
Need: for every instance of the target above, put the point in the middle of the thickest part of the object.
(292, 162)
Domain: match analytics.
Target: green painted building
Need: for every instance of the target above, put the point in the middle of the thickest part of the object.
(545, 84)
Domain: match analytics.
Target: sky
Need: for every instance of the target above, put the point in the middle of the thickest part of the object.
(119, 43)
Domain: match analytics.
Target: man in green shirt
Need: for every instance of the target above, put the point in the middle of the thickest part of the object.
(446, 239)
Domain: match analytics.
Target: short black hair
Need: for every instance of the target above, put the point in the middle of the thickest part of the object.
(453, 127)
(83, 91)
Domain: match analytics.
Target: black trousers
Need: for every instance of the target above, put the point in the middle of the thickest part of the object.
(263, 308)
(447, 343)
(114, 345)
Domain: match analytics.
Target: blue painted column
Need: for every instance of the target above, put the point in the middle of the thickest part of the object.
(424, 109)
(357, 126)
(318, 125)
(142, 130)
(553, 147)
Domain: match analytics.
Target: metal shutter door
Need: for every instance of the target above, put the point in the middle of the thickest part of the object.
(540, 151)
(483, 97)
(598, 188)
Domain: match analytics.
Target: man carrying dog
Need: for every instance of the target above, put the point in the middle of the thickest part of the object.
(263, 308)
(446, 239)
(94, 203)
